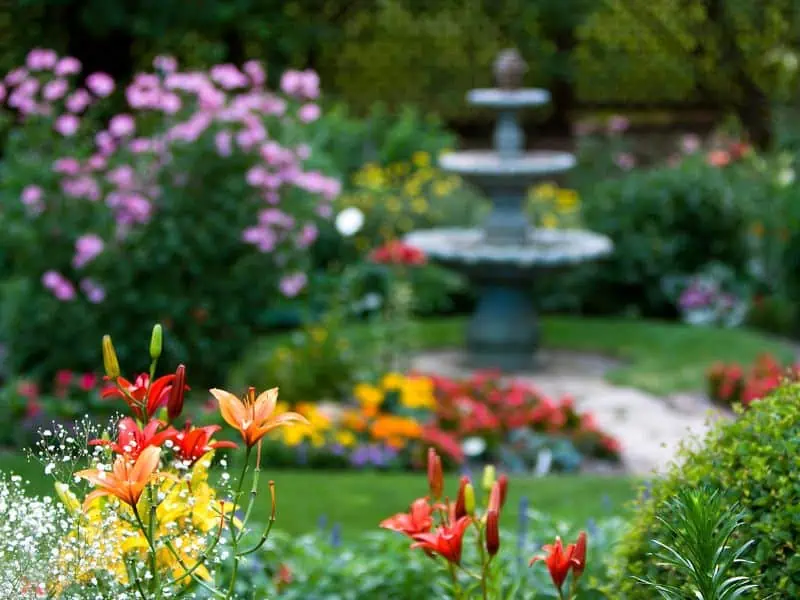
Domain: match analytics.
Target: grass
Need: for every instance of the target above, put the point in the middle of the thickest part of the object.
(658, 357)
(359, 500)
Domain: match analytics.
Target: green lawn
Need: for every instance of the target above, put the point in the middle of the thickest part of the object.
(659, 357)
(358, 501)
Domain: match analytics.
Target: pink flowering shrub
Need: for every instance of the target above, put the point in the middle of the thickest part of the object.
(196, 205)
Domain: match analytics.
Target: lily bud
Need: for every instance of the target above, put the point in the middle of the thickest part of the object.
(156, 342)
(110, 362)
(503, 481)
(579, 557)
(469, 499)
(435, 478)
(175, 400)
(492, 532)
(488, 477)
(494, 498)
(461, 507)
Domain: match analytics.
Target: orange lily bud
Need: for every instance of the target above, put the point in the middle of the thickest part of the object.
(492, 532)
(435, 478)
(175, 401)
(494, 498)
(461, 507)
(110, 362)
(503, 481)
(579, 557)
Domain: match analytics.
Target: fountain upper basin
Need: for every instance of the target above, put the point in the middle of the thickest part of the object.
(487, 164)
(508, 99)
(544, 248)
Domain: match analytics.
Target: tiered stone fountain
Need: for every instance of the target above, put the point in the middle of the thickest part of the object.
(503, 257)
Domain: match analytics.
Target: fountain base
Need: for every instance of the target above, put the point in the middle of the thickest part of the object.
(503, 332)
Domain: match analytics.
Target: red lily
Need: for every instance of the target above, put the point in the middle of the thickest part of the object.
(417, 520)
(192, 444)
(560, 560)
(446, 540)
(131, 440)
(143, 397)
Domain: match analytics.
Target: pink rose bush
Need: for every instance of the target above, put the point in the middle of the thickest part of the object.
(203, 172)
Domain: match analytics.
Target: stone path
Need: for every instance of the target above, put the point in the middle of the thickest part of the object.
(649, 428)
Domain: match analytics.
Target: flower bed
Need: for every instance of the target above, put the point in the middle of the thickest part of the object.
(476, 420)
(731, 384)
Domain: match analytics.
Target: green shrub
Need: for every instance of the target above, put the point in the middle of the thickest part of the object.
(753, 460)
(663, 222)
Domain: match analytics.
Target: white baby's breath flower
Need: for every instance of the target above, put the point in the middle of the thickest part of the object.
(349, 221)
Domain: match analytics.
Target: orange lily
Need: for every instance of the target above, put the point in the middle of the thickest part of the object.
(253, 416)
(126, 480)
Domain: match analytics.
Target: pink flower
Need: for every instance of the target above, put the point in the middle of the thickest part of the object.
(100, 84)
(78, 100)
(64, 291)
(274, 216)
(690, 143)
(170, 103)
(308, 236)
(87, 382)
(308, 113)
(105, 142)
(121, 176)
(617, 124)
(97, 162)
(256, 72)
(292, 285)
(40, 59)
(16, 76)
(261, 237)
(167, 64)
(51, 279)
(67, 125)
(81, 187)
(300, 84)
(303, 151)
(228, 76)
(55, 89)
(2, 93)
(32, 199)
(222, 141)
(94, 292)
(256, 176)
(140, 145)
(87, 248)
(122, 125)
(69, 65)
(625, 161)
(141, 97)
(66, 165)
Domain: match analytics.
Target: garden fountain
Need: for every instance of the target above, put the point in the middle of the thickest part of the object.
(503, 257)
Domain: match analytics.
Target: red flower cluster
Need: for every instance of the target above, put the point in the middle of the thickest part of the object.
(397, 252)
(483, 405)
(729, 383)
(724, 157)
(560, 561)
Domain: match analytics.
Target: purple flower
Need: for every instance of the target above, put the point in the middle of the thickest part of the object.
(618, 124)
(308, 235)
(61, 288)
(300, 84)
(308, 113)
(122, 125)
(87, 248)
(69, 65)
(625, 161)
(55, 89)
(2, 92)
(222, 142)
(31, 197)
(40, 59)
(100, 84)
(67, 125)
(16, 76)
(291, 285)
(274, 216)
(78, 100)
(263, 238)
(167, 64)
(255, 71)
(66, 165)
(94, 292)
(228, 76)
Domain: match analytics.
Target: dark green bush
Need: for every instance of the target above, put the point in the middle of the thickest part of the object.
(753, 461)
(663, 222)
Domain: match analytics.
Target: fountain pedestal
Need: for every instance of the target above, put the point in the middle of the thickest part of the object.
(503, 257)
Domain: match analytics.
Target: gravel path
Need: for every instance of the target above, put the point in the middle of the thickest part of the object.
(649, 428)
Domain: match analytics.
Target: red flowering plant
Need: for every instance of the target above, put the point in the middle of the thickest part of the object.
(155, 525)
(507, 421)
(730, 384)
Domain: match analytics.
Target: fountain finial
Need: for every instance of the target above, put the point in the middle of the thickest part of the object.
(509, 69)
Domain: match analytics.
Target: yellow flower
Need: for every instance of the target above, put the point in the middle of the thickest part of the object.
(369, 397)
(413, 187)
(549, 221)
(417, 393)
(393, 381)
(346, 438)
(567, 200)
(544, 191)
(421, 159)
(294, 436)
(441, 188)
(318, 334)
(419, 205)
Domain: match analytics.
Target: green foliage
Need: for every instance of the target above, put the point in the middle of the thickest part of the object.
(700, 526)
(752, 461)
(663, 222)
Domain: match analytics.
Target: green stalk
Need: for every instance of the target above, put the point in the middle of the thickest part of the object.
(234, 536)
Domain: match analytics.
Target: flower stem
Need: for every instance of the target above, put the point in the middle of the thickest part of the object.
(234, 536)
